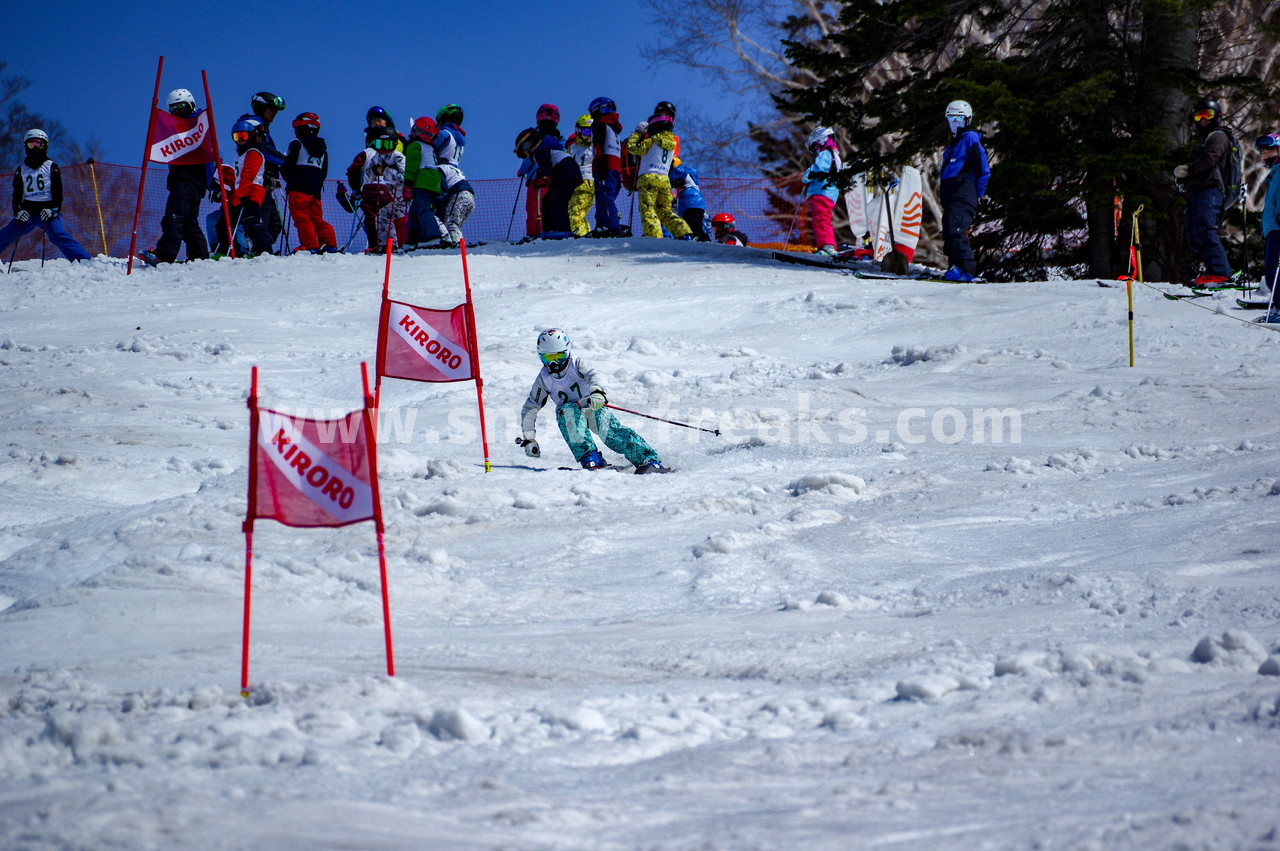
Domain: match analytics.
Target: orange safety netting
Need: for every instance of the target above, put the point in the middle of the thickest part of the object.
(99, 201)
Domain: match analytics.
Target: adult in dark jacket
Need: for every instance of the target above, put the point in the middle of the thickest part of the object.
(1202, 179)
(963, 180)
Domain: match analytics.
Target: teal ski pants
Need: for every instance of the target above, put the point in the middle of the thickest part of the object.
(577, 424)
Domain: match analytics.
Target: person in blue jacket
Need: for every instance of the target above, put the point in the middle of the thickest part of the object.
(964, 176)
(690, 205)
(562, 173)
(1269, 148)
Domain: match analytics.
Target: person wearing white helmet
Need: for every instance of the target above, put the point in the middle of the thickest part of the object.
(580, 411)
(821, 192)
(37, 198)
(186, 184)
(964, 176)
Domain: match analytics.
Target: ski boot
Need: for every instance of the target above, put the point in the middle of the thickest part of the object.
(654, 466)
(593, 460)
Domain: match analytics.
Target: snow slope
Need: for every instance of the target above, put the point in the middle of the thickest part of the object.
(846, 623)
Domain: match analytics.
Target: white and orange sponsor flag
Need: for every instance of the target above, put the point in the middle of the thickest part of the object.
(180, 141)
(421, 344)
(312, 472)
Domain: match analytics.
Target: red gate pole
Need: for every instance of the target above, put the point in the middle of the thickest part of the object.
(372, 443)
(475, 354)
(217, 168)
(146, 158)
(248, 529)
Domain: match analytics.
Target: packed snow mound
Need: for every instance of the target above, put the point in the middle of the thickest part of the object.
(951, 575)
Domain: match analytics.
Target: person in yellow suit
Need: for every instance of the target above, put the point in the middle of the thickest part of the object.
(582, 151)
(655, 144)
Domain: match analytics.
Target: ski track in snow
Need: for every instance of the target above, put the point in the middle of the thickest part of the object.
(820, 632)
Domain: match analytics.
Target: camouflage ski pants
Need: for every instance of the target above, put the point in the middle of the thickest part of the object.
(579, 206)
(655, 207)
(577, 424)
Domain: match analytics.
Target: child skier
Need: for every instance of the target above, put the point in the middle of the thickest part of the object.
(37, 198)
(963, 180)
(265, 106)
(249, 135)
(606, 165)
(820, 191)
(377, 173)
(655, 144)
(580, 410)
(580, 148)
(690, 204)
(537, 181)
(457, 199)
(726, 231)
(561, 174)
(422, 184)
(305, 167)
(186, 183)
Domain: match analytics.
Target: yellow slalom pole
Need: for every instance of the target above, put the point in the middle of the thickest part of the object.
(1136, 242)
(97, 200)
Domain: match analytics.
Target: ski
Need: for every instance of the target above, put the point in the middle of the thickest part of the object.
(1257, 304)
(619, 467)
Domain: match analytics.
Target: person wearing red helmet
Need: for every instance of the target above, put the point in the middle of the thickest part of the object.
(422, 184)
(726, 231)
(305, 167)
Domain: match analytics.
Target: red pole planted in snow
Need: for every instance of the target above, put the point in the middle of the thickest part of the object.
(217, 169)
(372, 443)
(146, 158)
(248, 529)
(475, 354)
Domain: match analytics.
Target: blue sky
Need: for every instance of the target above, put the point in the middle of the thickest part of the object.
(93, 66)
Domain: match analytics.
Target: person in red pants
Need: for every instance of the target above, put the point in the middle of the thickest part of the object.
(306, 165)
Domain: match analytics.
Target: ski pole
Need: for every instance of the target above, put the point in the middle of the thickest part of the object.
(716, 432)
(42, 245)
(13, 254)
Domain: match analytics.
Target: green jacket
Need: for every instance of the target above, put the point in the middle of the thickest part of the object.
(419, 167)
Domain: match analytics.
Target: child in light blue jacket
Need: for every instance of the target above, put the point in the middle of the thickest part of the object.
(820, 191)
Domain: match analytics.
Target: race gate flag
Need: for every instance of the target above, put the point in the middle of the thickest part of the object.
(180, 141)
(312, 472)
(308, 473)
(421, 344)
(908, 208)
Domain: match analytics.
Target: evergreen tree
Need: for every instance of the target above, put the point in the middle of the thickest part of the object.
(1083, 101)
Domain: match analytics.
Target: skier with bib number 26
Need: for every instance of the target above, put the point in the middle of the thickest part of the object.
(580, 410)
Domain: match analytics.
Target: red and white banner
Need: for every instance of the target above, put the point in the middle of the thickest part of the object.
(421, 344)
(312, 472)
(180, 141)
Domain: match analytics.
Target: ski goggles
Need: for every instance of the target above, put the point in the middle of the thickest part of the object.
(241, 136)
(35, 143)
(384, 144)
(554, 357)
(1203, 115)
(180, 109)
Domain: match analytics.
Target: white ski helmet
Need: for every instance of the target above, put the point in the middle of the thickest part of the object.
(181, 96)
(819, 136)
(35, 133)
(959, 109)
(552, 343)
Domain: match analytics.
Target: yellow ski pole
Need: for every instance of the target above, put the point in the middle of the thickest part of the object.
(97, 201)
